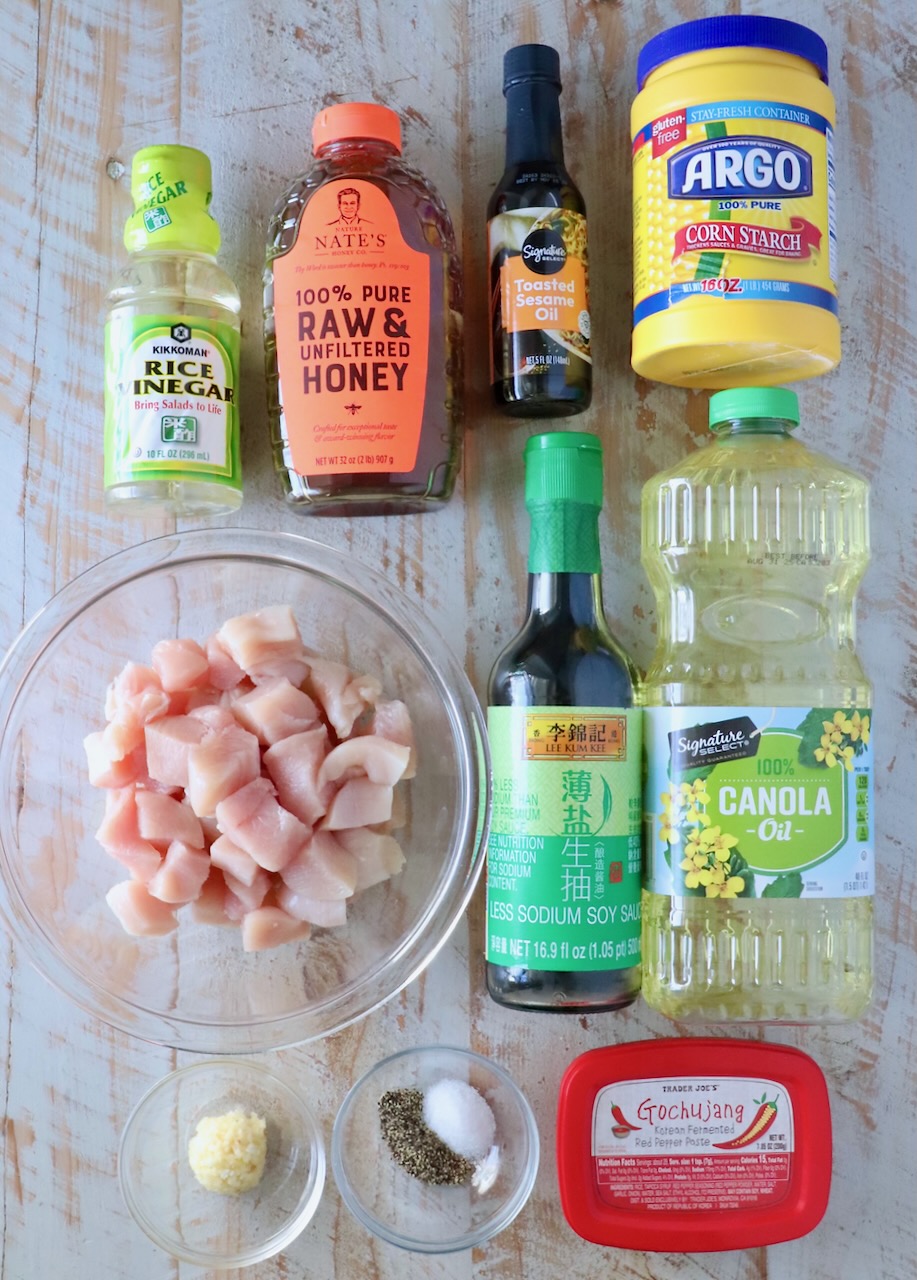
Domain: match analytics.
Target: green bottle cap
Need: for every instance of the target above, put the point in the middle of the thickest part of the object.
(754, 402)
(171, 187)
(563, 493)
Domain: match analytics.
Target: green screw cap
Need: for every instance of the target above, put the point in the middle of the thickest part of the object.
(171, 187)
(754, 402)
(563, 466)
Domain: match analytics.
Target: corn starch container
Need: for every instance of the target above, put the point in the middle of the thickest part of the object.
(735, 246)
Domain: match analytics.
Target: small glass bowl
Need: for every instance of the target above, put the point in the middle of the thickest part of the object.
(204, 1227)
(420, 1216)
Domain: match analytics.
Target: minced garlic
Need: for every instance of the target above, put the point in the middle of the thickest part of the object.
(227, 1152)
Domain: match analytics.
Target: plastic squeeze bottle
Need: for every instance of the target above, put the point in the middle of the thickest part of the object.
(564, 854)
(172, 339)
(362, 326)
(759, 799)
(541, 357)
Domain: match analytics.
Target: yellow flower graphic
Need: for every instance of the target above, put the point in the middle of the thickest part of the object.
(730, 889)
(859, 728)
(718, 843)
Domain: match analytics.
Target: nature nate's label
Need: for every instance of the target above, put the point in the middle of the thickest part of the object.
(564, 854)
(770, 802)
(695, 1142)
(352, 319)
(734, 200)
(539, 268)
(170, 399)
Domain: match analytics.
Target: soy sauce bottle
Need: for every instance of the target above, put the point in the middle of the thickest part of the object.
(541, 360)
(564, 854)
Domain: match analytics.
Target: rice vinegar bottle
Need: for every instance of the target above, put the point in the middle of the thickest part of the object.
(759, 800)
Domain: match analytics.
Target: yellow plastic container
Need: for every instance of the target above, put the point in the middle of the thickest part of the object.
(735, 247)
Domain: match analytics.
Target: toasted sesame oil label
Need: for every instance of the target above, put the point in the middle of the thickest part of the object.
(705, 1143)
(734, 200)
(564, 855)
(170, 399)
(773, 802)
(352, 316)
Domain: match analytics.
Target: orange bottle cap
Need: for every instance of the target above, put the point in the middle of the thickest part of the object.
(356, 120)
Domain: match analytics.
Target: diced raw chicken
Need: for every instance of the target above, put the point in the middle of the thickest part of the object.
(204, 696)
(182, 874)
(399, 814)
(391, 720)
(120, 836)
(121, 737)
(180, 664)
(210, 905)
(224, 672)
(168, 743)
(378, 856)
(162, 819)
(214, 717)
(136, 694)
(233, 860)
(343, 696)
(253, 820)
(329, 913)
(293, 765)
(266, 643)
(139, 913)
(271, 927)
(359, 803)
(208, 826)
(370, 756)
(112, 770)
(221, 764)
(251, 896)
(275, 709)
(323, 869)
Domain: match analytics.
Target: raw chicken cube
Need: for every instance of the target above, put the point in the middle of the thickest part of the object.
(275, 709)
(182, 874)
(271, 927)
(214, 717)
(120, 836)
(233, 860)
(266, 643)
(343, 696)
(224, 672)
(161, 819)
(251, 896)
(391, 720)
(135, 695)
(221, 764)
(107, 767)
(359, 803)
(180, 664)
(293, 765)
(328, 913)
(254, 821)
(323, 869)
(139, 913)
(168, 743)
(210, 905)
(369, 756)
(378, 856)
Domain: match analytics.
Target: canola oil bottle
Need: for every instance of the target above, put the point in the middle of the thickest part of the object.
(759, 803)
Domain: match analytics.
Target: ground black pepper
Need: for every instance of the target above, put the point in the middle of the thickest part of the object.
(416, 1147)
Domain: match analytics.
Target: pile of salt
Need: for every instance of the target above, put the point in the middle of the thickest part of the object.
(460, 1117)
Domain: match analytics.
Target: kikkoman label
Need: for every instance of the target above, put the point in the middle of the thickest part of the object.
(734, 200)
(773, 802)
(170, 404)
(695, 1143)
(564, 854)
(352, 318)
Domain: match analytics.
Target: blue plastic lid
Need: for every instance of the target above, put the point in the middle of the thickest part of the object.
(734, 31)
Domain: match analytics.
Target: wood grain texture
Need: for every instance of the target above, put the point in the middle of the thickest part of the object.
(88, 83)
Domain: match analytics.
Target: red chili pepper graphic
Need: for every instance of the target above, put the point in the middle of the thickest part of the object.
(764, 1118)
(621, 1120)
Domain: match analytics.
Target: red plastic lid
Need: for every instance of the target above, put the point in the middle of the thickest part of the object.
(693, 1145)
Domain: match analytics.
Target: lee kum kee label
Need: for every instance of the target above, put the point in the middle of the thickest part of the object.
(550, 736)
(352, 315)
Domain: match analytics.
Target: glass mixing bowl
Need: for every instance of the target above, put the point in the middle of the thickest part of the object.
(195, 988)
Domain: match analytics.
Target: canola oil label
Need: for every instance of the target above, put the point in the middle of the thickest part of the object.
(734, 200)
(693, 1143)
(769, 802)
(564, 855)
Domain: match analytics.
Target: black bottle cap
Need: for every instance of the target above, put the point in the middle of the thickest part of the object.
(531, 62)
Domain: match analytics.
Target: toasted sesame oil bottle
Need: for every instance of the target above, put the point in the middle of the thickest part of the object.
(759, 799)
